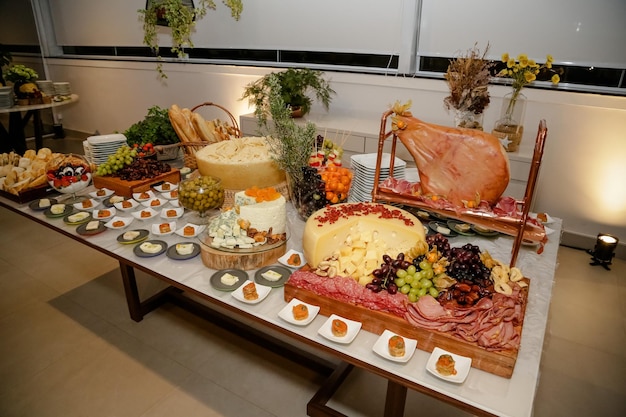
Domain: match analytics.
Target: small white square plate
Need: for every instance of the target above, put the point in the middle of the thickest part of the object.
(462, 366)
(175, 202)
(144, 196)
(382, 347)
(157, 231)
(170, 195)
(102, 193)
(91, 204)
(154, 202)
(166, 186)
(287, 312)
(172, 213)
(326, 330)
(262, 290)
(124, 205)
(140, 216)
(283, 259)
(125, 220)
(104, 214)
(197, 229)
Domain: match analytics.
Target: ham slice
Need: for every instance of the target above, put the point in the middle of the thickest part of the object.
(457, 164)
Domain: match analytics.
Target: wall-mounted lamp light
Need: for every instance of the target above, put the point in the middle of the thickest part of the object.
(604, 250)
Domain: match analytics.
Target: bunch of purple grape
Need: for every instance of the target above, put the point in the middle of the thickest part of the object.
(386, 274)
(310, 194)
(441, 242)
(466, 265)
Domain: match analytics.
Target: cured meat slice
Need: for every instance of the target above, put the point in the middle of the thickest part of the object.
(457, 164)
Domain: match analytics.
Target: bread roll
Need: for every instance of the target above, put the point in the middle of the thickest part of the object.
(30, 154)
(44, 153)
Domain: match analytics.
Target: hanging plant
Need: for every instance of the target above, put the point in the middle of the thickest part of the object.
(180, 16)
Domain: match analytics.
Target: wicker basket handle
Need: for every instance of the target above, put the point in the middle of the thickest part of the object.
(232, 118)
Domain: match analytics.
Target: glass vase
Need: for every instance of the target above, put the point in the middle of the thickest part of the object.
(509, 128)
(468, 119)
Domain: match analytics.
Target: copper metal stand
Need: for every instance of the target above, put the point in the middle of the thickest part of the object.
(514, 226)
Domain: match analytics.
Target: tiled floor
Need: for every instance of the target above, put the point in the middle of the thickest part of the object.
(68, 347)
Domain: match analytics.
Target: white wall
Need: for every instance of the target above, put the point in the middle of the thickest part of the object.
(581, 179)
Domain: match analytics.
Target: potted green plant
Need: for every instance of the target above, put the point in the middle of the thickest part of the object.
(296, 86)
(180, 16)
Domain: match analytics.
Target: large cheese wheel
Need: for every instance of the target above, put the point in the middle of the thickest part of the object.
(241, 163)
(392, 230)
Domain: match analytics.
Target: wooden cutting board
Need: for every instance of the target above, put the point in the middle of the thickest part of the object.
(127, 188)
(217, 259)
(500, 363)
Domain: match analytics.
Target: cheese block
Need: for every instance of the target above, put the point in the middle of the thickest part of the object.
(229, 279)
(57, 208)
(271, 275)
(81, 215)
(92, 225)
(184, 248)
(130, 235)
(241, 163)
(149, 247)
(357, 235)
(44, 203)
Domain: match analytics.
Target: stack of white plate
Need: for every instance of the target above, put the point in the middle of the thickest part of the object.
(6, 97)
(364, 167)
(46, 87)
(62, 88)
(98, 148)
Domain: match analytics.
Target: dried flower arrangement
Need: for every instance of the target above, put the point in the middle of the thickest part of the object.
(468, 78)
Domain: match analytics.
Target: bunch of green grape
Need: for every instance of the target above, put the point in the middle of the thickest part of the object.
(123, 156)
(416, 281)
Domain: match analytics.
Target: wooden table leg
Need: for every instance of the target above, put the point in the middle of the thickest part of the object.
(131, 291)
(395, 400)
(317, 405)
(38, 125)
(16, 133)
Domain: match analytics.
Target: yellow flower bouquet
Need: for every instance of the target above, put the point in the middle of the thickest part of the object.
(522, 71)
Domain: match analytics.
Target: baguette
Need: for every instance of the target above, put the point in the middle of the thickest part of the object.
(181, 125)
(203, 128)
(190, 131)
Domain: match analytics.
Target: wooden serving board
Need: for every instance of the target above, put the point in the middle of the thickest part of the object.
(29, 194)
(127, 188)
(500, 363)
(217, 259)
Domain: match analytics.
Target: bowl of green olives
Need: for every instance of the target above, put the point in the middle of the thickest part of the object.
(201, 195)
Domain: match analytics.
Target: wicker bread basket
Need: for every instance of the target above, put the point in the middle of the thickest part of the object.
(190, 148)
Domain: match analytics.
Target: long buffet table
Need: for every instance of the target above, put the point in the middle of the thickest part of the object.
(482, 393)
